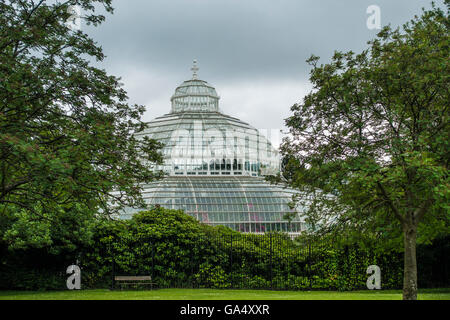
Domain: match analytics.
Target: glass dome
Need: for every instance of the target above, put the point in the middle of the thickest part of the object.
(195, 95)
(211, 143)
(214, 166)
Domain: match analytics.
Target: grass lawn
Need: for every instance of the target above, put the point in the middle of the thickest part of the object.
(212, 294)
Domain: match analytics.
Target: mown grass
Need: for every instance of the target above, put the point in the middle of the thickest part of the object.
(212, 294)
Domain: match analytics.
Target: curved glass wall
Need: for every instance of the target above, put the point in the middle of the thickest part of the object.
(246, 204)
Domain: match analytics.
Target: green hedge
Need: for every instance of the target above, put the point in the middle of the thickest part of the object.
(178, 251)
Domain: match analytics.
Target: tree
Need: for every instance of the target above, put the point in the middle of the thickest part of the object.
(369, 145)
(67, 145)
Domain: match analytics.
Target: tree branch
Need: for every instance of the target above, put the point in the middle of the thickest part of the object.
(390, 203)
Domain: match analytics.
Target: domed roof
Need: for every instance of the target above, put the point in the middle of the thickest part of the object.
(212, 143)
(214, 166)
(195, 95)
(195, 88)
(200, 140)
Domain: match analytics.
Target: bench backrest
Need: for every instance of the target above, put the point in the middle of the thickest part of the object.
(135, 278)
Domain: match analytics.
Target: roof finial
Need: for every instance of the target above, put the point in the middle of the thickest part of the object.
(194, 70)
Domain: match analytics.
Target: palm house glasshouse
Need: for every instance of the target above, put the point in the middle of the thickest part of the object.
(215, 166)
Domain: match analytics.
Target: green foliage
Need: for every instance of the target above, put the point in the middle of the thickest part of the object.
(212, 277)
(368, 146)
(33, 268)
(372, 136)
(178, 251)
(66, 130)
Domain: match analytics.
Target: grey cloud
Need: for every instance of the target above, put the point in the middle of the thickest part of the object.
(241, 38)
(151, 44)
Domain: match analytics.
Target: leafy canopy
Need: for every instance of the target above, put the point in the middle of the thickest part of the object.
(67, 145)
(369, 146)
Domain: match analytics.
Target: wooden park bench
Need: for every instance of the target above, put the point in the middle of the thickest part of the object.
(134, 280)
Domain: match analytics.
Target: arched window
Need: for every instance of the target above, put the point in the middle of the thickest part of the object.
(222, 166)
(217, 165)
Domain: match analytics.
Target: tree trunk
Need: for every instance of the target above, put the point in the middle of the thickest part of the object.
(410, 264)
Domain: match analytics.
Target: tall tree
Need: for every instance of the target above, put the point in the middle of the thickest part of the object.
(67, 145)
(370, 144)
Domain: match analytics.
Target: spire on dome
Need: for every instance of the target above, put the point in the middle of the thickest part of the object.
(195, 95)
(194, 69)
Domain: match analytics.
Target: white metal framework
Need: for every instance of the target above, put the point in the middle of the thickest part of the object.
(215, 163)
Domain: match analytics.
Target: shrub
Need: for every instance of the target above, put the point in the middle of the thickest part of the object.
(178, 251)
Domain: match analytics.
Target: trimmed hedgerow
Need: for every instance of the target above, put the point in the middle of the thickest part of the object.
(178, 251)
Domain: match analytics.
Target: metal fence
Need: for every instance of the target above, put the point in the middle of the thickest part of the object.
(218, 260)
(250, 261)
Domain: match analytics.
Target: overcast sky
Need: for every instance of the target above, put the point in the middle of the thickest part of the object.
(252, 51)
